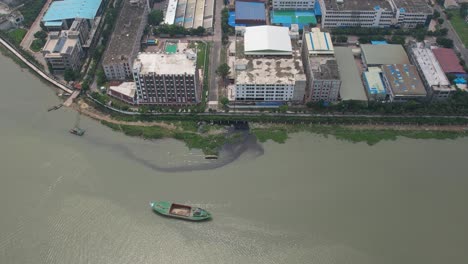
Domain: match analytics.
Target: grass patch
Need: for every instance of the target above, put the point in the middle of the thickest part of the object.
(277, 135)
(459, 25)
(209, 144)
(37, 45)
(17, 35)
(280, 133)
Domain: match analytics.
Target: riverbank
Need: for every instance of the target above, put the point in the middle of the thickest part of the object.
(210, 140)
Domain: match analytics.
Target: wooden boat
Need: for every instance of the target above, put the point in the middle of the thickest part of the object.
(77, 131)
(180, 211)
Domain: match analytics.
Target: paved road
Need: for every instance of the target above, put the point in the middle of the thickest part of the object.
(215, 52)
(29, 37)
(452, 34)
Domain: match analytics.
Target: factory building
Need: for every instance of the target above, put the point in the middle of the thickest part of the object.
(63, 50)
(268, 67)
(374, 83)
(437, 85)
(125, 41)
(320, 66)
(377, 55)
(61, 14)
(166, 79)
(293, 4)
(375, 13)
(403, 83)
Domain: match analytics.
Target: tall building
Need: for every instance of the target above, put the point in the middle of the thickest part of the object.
(268, 67)
(63, 50)
(320, 66)
(293, 4)
(375, 13)
(437, 85)
(166, 79)
(125, 40)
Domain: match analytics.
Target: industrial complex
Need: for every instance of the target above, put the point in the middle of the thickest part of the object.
(190, 13)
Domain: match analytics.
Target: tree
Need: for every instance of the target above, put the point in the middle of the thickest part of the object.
(223, 70)
(283, 108)
(444, 42)
(440, 20)
(69, 75)
(100, 77)
(40, 34)
(155, 17)
(224, 101)
(436, 14)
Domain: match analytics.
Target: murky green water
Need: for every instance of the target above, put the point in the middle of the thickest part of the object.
(69, 199)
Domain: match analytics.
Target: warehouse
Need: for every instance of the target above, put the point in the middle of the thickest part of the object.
(403, 82)
(351, 84)
(267, 40)
(377, 55)
(250, 13)
(61, 14)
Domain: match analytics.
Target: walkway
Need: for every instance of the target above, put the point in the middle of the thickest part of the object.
(29, 37)
(34, 68)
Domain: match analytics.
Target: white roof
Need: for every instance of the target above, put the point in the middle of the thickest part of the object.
(125, 88)
(429, 65)
(319, 42)
(171, 12)
(162, 63)
(267, 40)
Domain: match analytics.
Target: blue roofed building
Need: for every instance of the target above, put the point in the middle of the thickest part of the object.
(61, 14)
(250, 13)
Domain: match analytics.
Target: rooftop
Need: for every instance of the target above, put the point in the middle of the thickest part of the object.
(267, 40)
(319, 42)
(384, 54)
(250, 10)
(161, 63)
(448, 60)
(351, 84)
(429, 66)
(60, 43)
(70, 9)
(170, 12)
(357, 5)
(125, 88)
(270, 69)
(124, 36)
(324, 67)
(374, 82)
(404, 80)
(413, 6)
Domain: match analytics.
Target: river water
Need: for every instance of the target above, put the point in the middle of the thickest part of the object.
(69, 199)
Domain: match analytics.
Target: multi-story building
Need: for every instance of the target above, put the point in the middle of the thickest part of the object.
(403, 83)
(375, 13)
(375, 87)
(125, 41)
(369, 13)
(166, 79)
(320, 67)
(293, 4)
(268, 67)
(411, 13)
(437, 85)
(63, 50)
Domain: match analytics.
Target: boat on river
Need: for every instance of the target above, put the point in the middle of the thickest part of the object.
(180, 211)
(77, 131)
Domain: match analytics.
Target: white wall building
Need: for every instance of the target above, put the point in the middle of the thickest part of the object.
(293, 4)
(436, 83)
(269, 69)
(375, 13)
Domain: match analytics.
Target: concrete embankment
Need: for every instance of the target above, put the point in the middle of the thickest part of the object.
(36, 69)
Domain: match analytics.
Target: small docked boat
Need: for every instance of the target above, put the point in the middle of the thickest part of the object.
(77, 131)
(180, 211)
